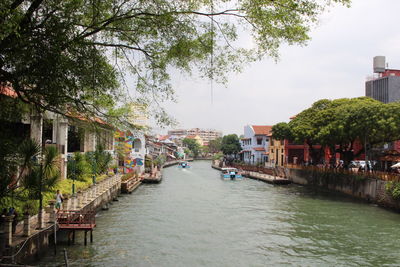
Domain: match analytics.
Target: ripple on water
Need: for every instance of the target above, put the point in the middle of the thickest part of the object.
(193, 218)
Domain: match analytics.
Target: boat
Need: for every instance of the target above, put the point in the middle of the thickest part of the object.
(183, 165)
(231, 173)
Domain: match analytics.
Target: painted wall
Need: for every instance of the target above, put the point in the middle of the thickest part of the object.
(132, 146)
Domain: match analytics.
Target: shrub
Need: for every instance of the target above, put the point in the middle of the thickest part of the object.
(393, 188)
(99, 160)
(78, 167)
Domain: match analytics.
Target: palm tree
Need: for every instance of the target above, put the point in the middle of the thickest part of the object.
(14, 165)
(42, 176)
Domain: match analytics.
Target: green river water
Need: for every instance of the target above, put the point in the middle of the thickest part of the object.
(193, 218)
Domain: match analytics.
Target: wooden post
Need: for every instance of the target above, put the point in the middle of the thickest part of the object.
(73, 237)
(85, 237)
(91, 236)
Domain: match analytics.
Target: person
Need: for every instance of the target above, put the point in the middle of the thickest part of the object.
(59, 200)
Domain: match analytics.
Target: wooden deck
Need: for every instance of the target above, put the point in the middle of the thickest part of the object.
(76, 220)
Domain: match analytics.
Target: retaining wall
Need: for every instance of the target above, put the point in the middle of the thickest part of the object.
(371, 190)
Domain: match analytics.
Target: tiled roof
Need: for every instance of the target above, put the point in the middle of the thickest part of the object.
(259, 149)
(262, 129)
(163, 137)
(8, 91)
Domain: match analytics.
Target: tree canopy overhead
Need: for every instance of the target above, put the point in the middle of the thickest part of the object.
(75, 54)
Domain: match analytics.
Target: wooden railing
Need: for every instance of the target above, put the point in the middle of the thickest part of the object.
(76, 219)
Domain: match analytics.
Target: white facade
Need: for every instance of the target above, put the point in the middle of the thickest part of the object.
(255, 144)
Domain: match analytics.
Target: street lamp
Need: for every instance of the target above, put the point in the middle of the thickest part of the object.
(73, 162)
(94, 172)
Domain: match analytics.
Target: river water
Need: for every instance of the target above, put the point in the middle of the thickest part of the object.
(193, 218)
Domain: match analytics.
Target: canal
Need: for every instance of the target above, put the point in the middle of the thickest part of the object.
(193, 218)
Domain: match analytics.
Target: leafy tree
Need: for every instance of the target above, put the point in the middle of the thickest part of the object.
(160, 160)
(230, 144)
(78, 168)
(215, 145)
(192, 145)
(58, 53)
(42, 175)
(340, 123)
(204, 150)
(99, 160)
(14, 164)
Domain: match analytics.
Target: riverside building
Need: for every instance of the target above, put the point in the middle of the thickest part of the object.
(206, 135)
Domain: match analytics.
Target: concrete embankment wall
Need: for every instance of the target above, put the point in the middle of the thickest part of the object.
(371, 190)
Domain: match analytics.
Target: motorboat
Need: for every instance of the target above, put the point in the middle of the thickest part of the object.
(184, 165)
(231, 174)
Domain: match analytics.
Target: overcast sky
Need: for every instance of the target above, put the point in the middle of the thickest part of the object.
(334, 64)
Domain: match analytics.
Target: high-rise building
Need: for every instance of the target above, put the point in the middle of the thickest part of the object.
(205, 134)
(384, 85)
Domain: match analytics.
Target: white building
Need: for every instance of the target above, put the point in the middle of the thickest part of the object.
(255, 144)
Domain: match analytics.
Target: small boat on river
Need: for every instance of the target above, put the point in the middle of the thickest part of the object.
(231, 174)
(183, 165)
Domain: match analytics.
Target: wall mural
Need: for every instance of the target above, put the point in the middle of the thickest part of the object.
(124, 144)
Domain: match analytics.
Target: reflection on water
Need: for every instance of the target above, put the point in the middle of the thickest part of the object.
(193, 218)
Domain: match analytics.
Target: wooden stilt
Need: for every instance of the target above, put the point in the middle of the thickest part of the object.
(85, 238)
(91, 236)
(73, 236)
(69, 238)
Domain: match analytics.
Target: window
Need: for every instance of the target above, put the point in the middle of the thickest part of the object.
(272, 150)
(259, 141)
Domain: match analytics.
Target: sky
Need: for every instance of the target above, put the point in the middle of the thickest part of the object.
(334, 64)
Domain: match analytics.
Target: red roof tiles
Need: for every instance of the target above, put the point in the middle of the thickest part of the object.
(8, 91)
(262, 129)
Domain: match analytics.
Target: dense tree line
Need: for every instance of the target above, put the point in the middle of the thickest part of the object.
(338, 124)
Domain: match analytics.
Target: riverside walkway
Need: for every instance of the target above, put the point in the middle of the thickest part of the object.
(33, 236)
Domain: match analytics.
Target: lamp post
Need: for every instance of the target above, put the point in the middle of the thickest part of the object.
(73, 175)
(94, 172)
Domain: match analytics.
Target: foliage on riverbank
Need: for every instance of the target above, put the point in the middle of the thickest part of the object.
(393, 189)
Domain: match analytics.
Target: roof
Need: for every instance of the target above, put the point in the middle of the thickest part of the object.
(163, 137)
(259, 149)
(262, 129)
(8, 91)
(191, 136)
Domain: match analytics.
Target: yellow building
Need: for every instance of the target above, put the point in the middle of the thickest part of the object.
(276, 152)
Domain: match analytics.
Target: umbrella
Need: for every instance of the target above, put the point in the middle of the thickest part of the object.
(397, 165)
